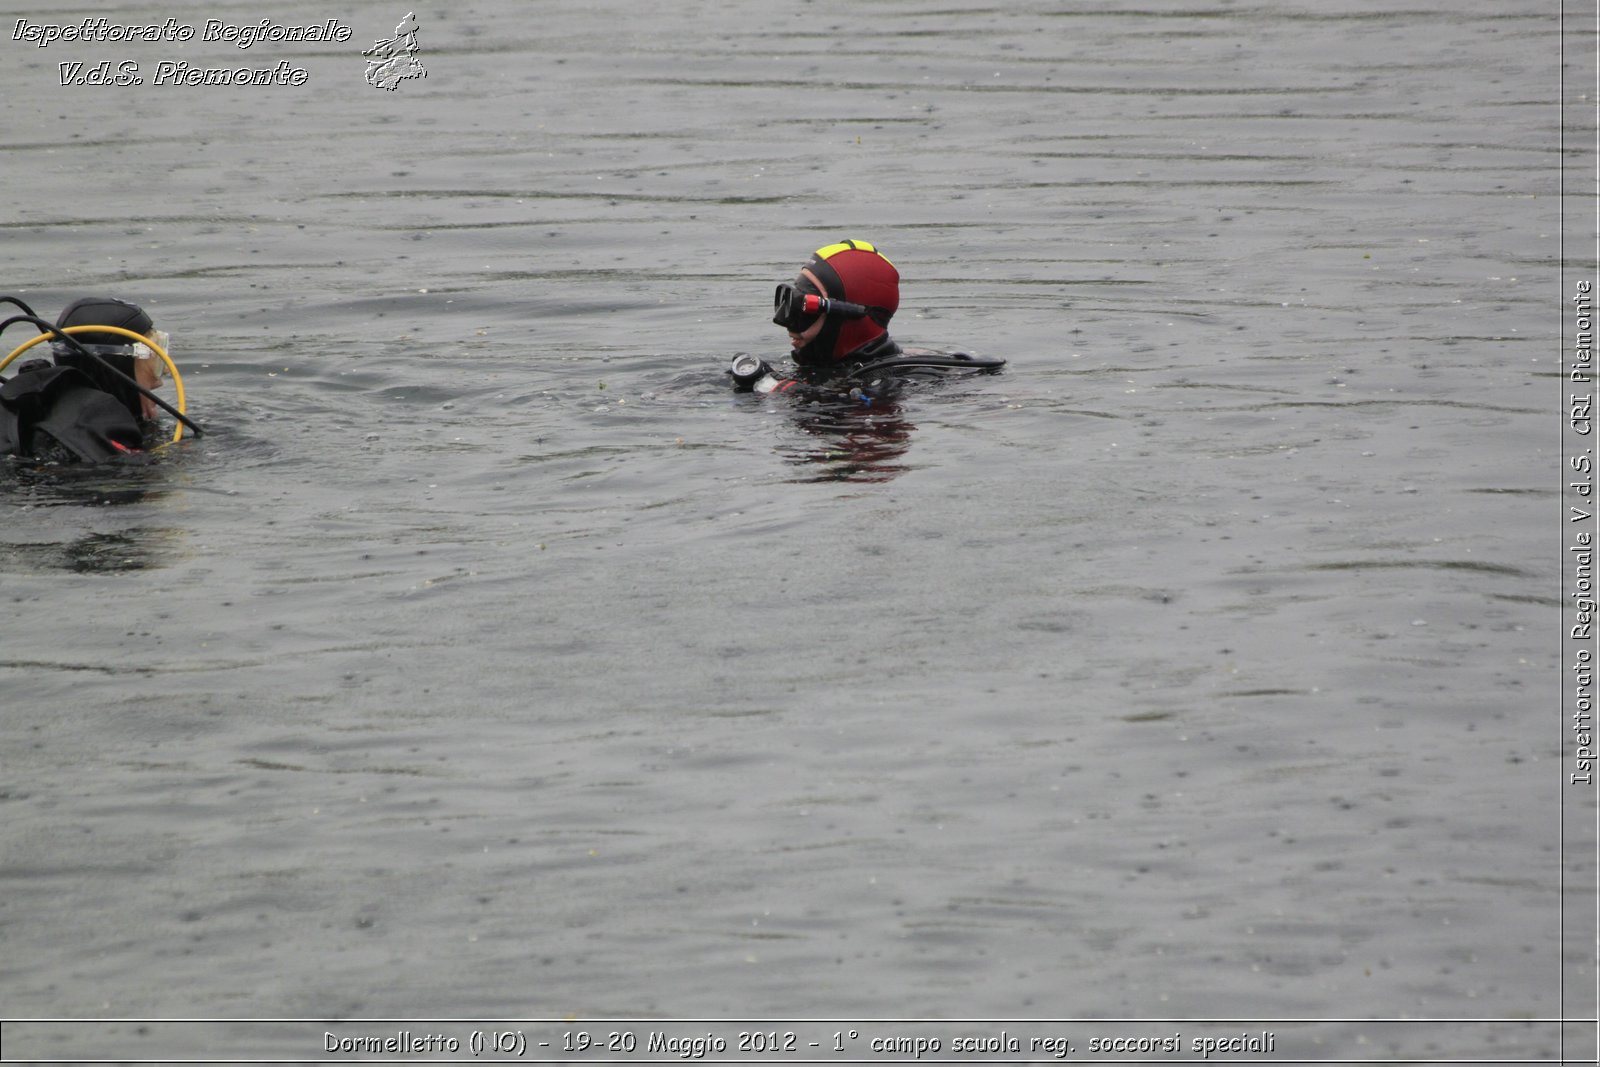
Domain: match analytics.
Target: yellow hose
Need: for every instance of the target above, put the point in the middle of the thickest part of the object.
(177, 379)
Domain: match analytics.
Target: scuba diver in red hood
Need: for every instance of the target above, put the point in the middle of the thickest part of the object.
(837, 313)
(820, 310)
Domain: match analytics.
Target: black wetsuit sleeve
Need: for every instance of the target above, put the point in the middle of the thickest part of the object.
(830, 392)
(59, 404)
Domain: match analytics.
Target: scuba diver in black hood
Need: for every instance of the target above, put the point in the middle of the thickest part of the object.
(93, 400)
(837, 313)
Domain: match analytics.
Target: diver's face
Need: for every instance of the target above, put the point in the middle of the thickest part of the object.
(809, 334)
(145, 373)
(800, 340)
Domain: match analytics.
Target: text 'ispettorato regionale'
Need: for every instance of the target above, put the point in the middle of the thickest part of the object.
(98, 29)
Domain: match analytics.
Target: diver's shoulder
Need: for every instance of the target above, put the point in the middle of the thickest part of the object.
(904, 359)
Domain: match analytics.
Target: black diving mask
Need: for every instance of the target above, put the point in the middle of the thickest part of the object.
(789, 308)
(795, 309)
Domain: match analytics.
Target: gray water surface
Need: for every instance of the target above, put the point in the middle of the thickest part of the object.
(488, 658)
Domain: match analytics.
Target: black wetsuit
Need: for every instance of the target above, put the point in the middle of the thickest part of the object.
(877, 371)
(60, 413)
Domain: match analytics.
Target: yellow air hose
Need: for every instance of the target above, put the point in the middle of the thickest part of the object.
(177, 379)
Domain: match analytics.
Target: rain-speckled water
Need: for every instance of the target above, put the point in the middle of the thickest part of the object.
(488, 658)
